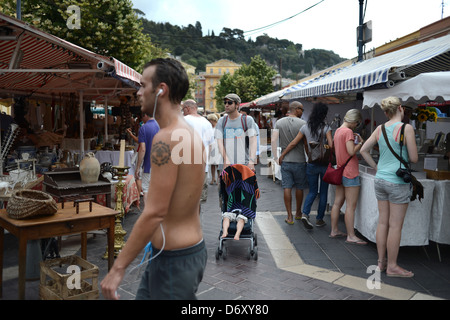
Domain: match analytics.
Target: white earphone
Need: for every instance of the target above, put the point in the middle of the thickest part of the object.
(156, 101)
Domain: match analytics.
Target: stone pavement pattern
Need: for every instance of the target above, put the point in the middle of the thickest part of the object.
(293, 264)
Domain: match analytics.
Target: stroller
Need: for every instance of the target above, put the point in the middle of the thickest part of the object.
(239, 191)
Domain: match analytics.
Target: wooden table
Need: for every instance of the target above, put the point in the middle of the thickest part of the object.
(65, 222)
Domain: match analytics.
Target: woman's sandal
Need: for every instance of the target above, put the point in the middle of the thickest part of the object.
(403, 274)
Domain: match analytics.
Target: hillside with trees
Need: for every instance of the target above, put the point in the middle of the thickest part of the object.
(194, 48)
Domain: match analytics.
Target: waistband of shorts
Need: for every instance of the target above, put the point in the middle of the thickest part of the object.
(182, 252)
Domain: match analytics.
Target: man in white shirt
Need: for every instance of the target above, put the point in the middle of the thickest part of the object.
(204, 129)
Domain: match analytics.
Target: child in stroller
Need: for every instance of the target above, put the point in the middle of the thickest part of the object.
(239, 192)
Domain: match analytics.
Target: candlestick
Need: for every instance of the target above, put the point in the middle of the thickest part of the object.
(122, 154)
(119, 232)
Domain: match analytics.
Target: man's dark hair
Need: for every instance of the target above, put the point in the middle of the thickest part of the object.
(172, 73)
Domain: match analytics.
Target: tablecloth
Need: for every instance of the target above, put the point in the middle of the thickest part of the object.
(440, 213)
(113, 157)
(130, 194)
(415, 230)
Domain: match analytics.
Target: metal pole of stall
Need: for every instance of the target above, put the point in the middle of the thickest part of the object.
(106, 121)
(81, 125)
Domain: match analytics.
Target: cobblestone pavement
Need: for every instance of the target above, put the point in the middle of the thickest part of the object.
(293, 264)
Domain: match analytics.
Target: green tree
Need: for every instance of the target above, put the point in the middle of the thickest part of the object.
(108, 27)
(249, 82)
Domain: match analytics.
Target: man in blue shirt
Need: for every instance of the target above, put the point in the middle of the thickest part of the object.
(145, 139)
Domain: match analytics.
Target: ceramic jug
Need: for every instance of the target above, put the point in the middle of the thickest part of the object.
(89, 168)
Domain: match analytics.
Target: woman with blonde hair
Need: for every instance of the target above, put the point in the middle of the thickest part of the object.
(392, 192)
(347, 144)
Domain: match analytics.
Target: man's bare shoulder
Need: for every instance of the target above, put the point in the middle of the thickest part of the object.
(161, 148)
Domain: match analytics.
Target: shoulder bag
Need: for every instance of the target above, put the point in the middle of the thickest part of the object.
(334, 176)
(405, 174)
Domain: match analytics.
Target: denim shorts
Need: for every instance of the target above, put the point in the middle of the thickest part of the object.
(293, 175)
(355, 182)
(392, 192)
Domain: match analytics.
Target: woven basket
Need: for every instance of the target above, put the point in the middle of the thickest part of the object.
(25, 204)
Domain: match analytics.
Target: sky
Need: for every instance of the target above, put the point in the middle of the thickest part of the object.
(330, 25)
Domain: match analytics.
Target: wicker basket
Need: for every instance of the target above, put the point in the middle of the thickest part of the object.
(25, 204)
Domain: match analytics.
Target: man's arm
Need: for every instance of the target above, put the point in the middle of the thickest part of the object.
(140, 160)
(275, 143)
(253, 145)
(219, 133)
(162, 185)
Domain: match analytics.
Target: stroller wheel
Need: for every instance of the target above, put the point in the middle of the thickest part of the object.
(252, 253)
(224, 253)
(217, 254)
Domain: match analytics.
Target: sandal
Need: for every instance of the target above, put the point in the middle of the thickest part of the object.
(357, 242)
(405, 274)
(401, 274)
(338, 235)
(290, 223)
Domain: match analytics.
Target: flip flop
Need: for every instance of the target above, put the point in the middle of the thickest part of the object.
(298, 218)
(339, 235)
(290, 223)
(405, 274)
(358, 242)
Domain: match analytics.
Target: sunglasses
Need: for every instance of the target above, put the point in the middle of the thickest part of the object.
(228, 102)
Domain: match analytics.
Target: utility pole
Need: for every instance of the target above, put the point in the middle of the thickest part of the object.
(19, 9)
(360, 30)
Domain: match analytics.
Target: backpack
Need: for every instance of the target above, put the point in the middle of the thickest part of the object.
(243, 122)
(244, 126)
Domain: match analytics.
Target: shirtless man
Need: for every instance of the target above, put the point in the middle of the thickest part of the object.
(170, 219)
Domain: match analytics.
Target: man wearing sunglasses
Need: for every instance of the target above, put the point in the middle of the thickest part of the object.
(232, 131)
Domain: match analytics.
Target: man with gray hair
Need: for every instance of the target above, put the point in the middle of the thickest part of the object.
(293, 168)
(205, 130)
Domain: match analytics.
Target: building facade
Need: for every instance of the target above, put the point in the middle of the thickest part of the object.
(207, 82)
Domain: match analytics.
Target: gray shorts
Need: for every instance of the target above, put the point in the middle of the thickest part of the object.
(174, 274)
(293, 175)
(145, 177)
(392, 192)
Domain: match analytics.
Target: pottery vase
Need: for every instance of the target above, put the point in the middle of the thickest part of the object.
(89, 168)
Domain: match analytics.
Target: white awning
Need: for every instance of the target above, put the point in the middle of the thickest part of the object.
(269, 98)
(433, 86)
(430, 56)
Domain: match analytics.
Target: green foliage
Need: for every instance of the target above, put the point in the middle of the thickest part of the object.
(198, 50)
(248, 82)
(108, 27)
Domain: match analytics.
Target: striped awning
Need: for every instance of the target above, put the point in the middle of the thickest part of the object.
(383, 71)
(32, 61)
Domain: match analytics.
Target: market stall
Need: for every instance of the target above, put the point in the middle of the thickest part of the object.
(430, 216)
(50, 85)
